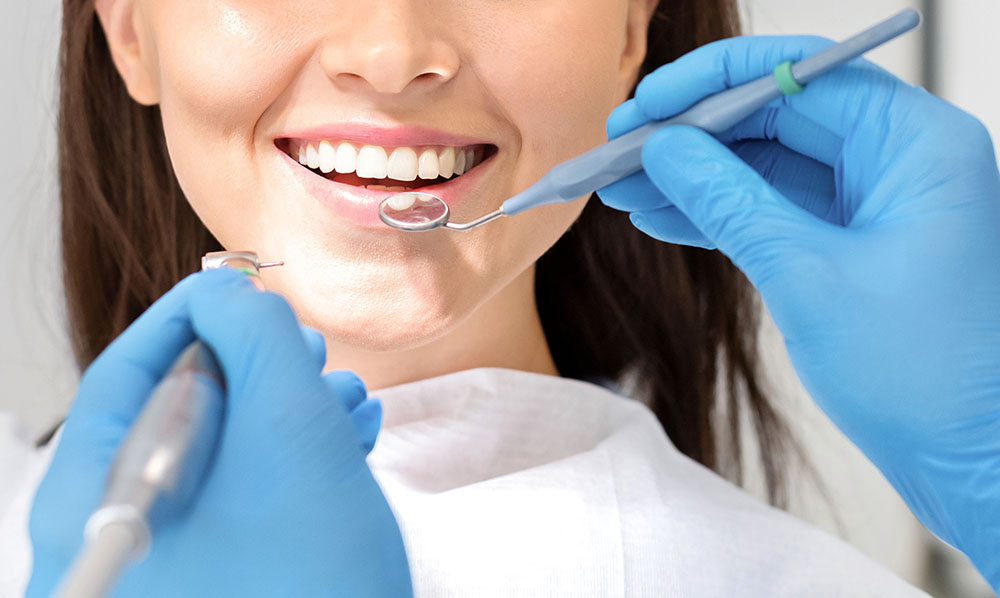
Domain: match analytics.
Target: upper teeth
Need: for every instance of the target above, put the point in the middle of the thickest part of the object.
(376, 162)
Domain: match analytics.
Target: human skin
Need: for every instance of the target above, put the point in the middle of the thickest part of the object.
(534, 79)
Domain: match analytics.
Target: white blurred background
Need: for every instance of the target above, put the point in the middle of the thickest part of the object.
(950, 55)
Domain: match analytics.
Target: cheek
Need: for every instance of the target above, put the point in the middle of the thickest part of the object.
(221, 64)
(555, 72)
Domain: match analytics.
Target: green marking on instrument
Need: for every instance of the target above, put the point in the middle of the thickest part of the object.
(785, 80)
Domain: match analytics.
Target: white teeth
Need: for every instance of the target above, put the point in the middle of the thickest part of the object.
(446, 162)
(402, 164)
(347, 158)
(327, 157)
(428, 168)
(312, 157)
(402, 201)
(373, 163)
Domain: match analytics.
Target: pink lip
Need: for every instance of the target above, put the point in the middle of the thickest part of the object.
(385, 137)
(360, 205)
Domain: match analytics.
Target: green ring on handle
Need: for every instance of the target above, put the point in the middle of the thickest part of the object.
(785, 80)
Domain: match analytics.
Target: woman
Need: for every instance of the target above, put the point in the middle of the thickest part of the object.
(504, 477)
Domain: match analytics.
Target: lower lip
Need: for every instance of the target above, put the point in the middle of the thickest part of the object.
(360, 205)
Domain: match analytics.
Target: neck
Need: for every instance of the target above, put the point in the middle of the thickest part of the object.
(504, 332)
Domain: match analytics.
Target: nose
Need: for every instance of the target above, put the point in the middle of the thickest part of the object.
(391, 46)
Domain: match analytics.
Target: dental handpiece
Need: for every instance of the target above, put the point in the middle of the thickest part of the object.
(622, 156)
(160, 463)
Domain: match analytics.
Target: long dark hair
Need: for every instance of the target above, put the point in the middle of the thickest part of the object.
(677, 324)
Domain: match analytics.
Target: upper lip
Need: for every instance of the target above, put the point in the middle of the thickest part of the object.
(383, 136)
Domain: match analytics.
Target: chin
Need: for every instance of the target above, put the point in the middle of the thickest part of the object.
(386, 339)
(379, 331)
(378, 314)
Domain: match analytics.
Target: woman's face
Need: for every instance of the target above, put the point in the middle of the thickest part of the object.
(405, 87)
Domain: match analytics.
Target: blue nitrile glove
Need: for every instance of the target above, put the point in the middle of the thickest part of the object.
(867, 214)
(288, 508)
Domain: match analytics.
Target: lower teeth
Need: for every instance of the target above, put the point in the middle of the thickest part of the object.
(404, 186)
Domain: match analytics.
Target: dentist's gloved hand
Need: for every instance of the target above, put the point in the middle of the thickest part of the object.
(288, 508)
(867, 214)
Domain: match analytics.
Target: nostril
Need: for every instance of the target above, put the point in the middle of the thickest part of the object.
(389, 60)
(350, 82)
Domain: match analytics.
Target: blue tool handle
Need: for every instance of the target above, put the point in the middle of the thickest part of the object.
(622, 156)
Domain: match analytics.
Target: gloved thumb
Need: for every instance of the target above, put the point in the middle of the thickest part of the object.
(726, 199)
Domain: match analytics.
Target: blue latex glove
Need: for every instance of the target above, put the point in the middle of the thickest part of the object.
(867, 214)
(288, 508)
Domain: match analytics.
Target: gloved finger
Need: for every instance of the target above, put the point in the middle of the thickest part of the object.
(316, 343)
(856, 100)
(711, 68)
(705, 71)
(277, 395)
(722, 196)
(652, 212)
(164, 320)
(116, 384)
(353, 394)
(634, 192)
(255, 336)
(857, 92)
(348, 386)
(791, 129)
(367, 418)
(624, 118)
(637, 194)
(809, 184)
(805, 181)
(671, 225)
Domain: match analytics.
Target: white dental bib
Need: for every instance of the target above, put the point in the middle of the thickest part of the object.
(507, 483)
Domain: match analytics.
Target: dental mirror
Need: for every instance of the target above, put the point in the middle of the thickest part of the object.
(414, 211)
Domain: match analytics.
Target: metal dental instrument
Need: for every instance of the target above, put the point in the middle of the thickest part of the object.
(245, 261)
(621, 157)
(161, 461)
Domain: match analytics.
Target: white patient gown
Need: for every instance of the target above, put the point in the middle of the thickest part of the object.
(507, 483)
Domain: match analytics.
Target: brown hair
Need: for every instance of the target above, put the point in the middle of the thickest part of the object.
(679, 320)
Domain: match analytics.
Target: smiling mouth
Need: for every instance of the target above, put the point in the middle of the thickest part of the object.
(379, 168)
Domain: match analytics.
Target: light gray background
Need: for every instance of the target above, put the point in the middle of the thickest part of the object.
(37, 375)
